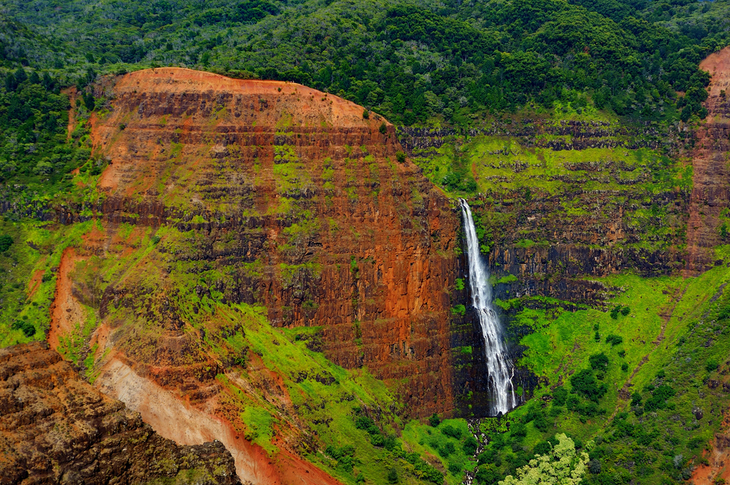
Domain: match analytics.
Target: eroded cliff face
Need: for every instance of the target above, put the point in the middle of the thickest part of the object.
(296, 183)
(227, 198)
(708, 222)
(560, 201)
(56, 428)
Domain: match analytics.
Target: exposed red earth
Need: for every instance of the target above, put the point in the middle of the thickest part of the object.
(711, 182)
(56, 428)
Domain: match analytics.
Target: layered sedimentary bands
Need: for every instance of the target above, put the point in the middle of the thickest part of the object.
(223, 197)
(228, 206)
(56, 428)
(559, 201)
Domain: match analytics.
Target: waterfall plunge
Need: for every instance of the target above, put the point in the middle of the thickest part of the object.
(499, 366)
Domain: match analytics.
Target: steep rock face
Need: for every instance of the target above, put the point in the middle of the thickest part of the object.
(711, 194)
(562, 201)
(56, 428)
(282, 176)
(223, 199)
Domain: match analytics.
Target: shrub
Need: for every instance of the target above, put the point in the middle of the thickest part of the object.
(518, 430)
(449, 430)
(625, 311)
(434, 420)
(392, 476)
(625, 367)
(541, 423)
(345, 456)
(400, 156)
(446, 450)
(542, 448)
(458, 310)
(559, 396)
(455, 469)
(659, 398)
(598, 361)
(585, 384)
(487, 474)
(614, 340)
(470, 446)
(5, 243)
(366, 114)
(363, 422)
(711, 365)
(383, 128)
(26, 327)
(487, 456)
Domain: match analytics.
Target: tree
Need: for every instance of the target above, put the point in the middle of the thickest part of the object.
(5, 243)
(562, 465)
(392, 476)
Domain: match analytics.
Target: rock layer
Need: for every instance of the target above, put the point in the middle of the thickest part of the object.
(56, 428)
(256, 195)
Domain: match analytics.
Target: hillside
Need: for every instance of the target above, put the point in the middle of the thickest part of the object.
(242, 220)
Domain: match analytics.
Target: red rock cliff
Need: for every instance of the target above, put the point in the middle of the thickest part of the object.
(311, 190)
(259, 193)
(56, 428)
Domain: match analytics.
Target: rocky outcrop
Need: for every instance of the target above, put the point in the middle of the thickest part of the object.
(709, 221)
(56, 428)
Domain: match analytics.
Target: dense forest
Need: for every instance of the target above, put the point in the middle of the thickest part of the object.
(414, 62)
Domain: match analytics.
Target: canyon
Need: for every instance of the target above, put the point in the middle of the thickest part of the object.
(260, 245)
(258, 195)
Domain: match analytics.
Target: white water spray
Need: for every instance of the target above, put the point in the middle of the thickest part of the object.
(499, 366)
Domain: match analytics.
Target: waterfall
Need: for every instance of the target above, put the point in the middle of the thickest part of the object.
(499, 367)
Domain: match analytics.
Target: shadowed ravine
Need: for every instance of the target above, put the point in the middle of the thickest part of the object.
(499, 366)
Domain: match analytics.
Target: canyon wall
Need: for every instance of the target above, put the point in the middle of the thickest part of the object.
(297, 183)
(226, 201)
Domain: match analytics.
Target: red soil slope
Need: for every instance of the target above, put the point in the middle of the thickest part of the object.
(711, 189)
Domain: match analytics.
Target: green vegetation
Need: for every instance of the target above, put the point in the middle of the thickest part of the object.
(627, 57)
(620, 385)
(555, 464)
(27, 276)
(655, 434)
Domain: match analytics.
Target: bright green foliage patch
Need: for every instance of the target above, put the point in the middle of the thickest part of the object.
(666, 356)
(28, 276)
